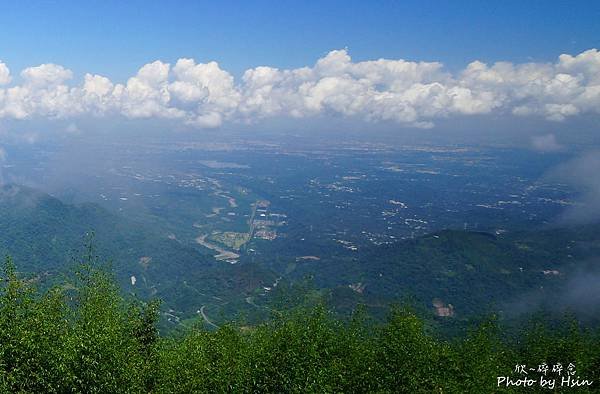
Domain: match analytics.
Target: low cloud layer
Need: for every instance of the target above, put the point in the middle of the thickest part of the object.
(409, 93)
(583, 174)
(578, 293)
(546, 143)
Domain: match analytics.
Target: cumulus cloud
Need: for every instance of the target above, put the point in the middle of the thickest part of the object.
(406, 92)
(4, 74)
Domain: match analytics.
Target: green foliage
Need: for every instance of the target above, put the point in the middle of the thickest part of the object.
(86, 337)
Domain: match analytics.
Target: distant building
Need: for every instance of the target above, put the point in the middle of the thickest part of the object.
(442, 309)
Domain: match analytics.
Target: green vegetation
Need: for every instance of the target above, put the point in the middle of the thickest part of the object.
(477, 273)
(230, 239)
(84, 336)
(43, 235)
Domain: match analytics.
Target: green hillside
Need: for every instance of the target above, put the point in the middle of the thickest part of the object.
(44, 235)
(454, 275)
(472, 271)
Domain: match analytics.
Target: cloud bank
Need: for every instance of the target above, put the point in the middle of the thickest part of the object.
(415, 94)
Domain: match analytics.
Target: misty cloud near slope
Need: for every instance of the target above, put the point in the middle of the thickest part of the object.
(19, 197)
(583, 293)
(415, 94)
(579, 294)
(583, 174)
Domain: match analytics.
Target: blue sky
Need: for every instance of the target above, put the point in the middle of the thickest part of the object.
(114, 38)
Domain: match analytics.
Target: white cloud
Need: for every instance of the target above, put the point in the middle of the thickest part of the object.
(4, 74)
(409, 93)
(45, 75)
(583, 174)
(546, 143)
